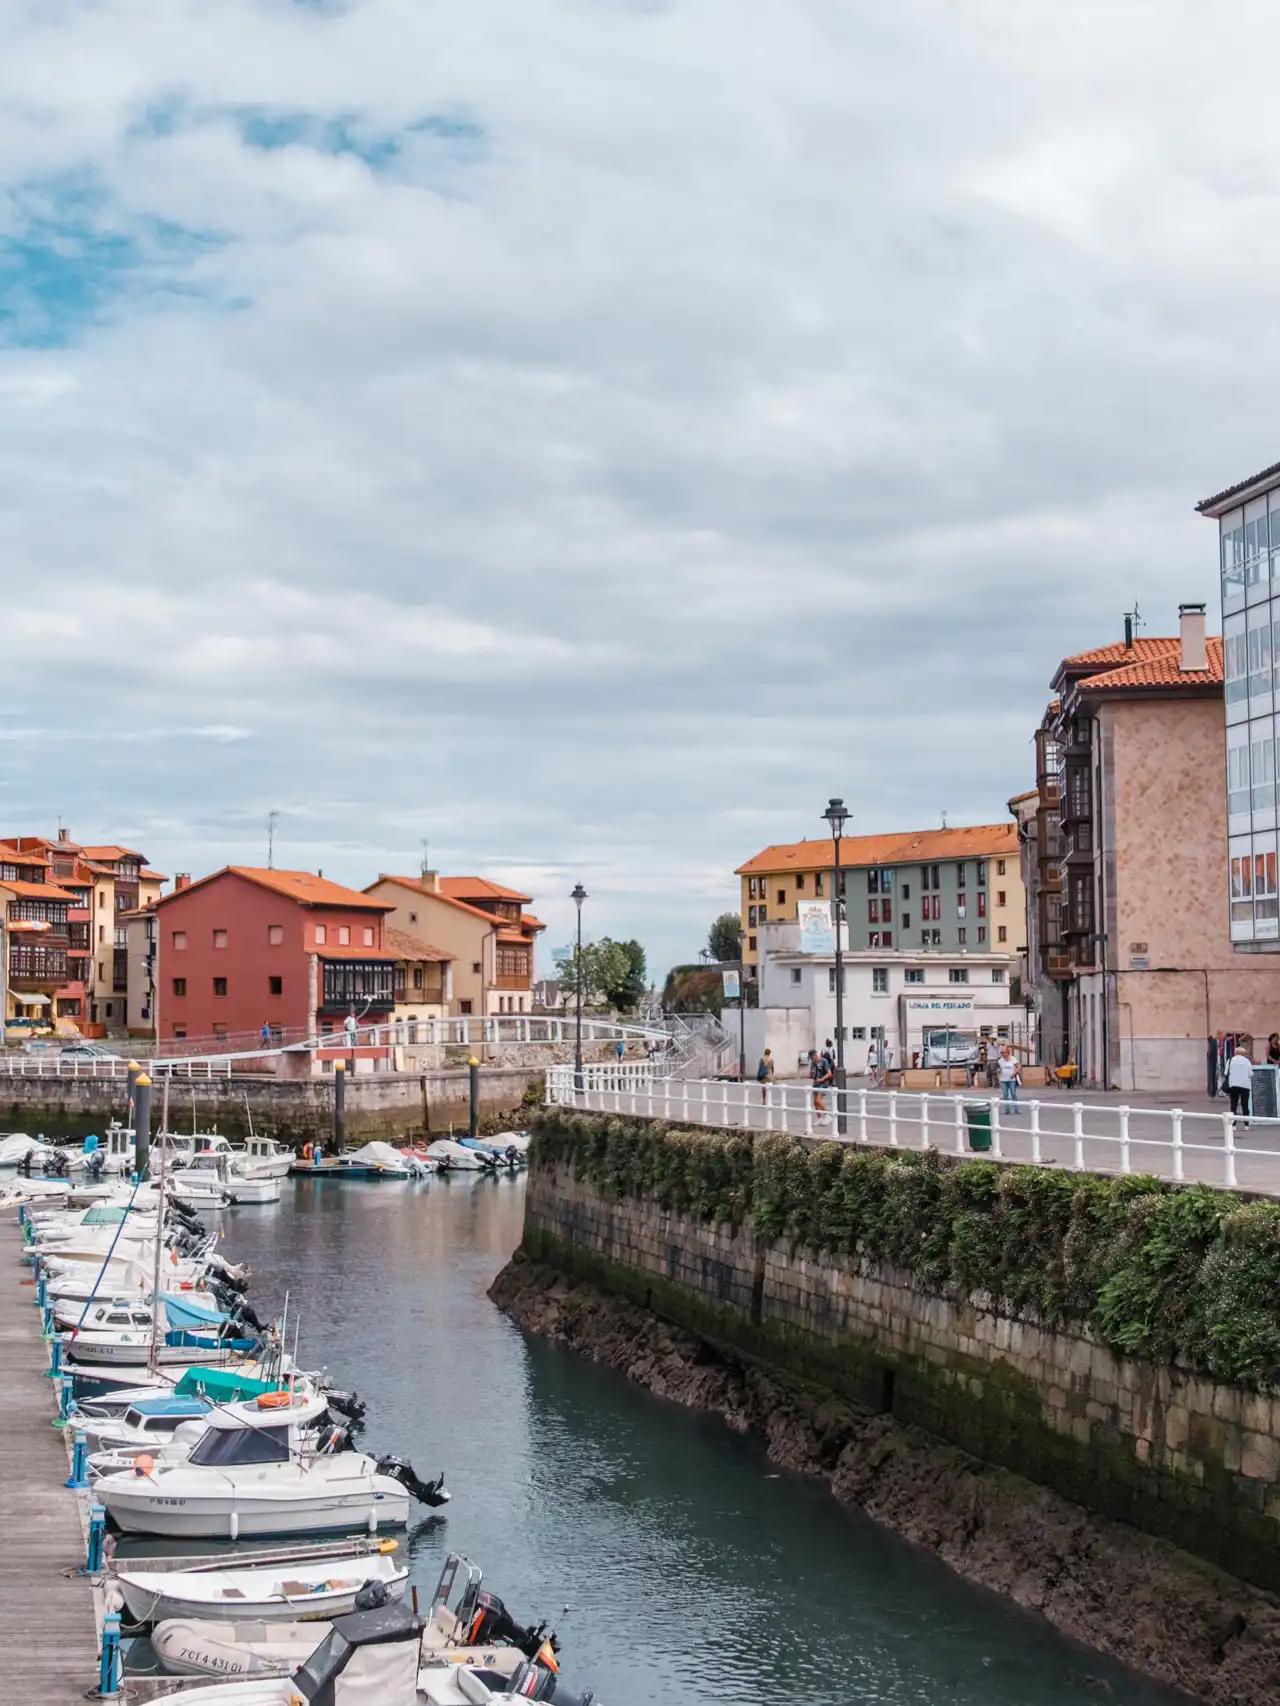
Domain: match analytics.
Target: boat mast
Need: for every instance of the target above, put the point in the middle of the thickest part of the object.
(153, 1360)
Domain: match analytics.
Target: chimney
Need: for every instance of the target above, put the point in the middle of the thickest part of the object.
(181, 881)
(1128, 630)
(1191, 629)
(62, 832)
(430, 881)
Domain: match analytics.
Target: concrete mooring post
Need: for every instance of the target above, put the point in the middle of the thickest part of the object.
(473, 1123)
(132, 1073)
(142, 1125)
(339, 1106)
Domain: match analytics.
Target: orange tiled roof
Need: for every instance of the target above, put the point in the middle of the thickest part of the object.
(1144, 646)
(479, 888)
(112, 853)
(904, 847)
(529, 922)
(304, 887)
(419, 887)
(331, 951)
(1158, 665)
(38, 891)
(408, 947)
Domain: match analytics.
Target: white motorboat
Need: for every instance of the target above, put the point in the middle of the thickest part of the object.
(146, 1425)
(98, 1380)
(263, 1158)
(265, 1479)
(272, 1595)
(517, 1140)
(453, 1157)
(123, 1333)
(14, 1145)
(219, 1171)
(372, 1658)
(316, 1431)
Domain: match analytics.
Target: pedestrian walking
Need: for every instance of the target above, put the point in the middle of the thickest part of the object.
(820, 1079)
(764, 1074)
(1009, 1068)
(350, 1029)
(266, 1033)
(1273, 1049)
(620, 1049)
(873, 1065)
(1240, 1084)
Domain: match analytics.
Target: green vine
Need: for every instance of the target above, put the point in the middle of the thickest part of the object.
(1170, 1273)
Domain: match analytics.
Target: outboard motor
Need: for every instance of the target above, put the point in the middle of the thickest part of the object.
(489, 1624)
(348, 1404)
(400, 1469)
(244, 1311)
(94, 1165)
(536, 1682)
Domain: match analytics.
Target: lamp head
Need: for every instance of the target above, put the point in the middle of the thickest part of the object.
(837, 816)
(578, 896)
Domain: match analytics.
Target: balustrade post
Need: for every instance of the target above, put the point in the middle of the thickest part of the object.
(1035, 1133)
(997, 1154)
(808, 1114)
(1124, 1140)
(862, 1113)
(1175, 1120)
(924, 1119)
(893, 1118)
(1229, 1150)
(1077, 1136)
(958, 1120)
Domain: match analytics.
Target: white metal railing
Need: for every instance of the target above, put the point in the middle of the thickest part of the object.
(1171, 1143)
(75, 1066)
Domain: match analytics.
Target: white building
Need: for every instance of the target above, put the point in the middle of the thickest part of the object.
(894, 997)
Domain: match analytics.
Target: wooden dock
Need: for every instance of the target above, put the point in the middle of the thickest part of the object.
(48, 1639)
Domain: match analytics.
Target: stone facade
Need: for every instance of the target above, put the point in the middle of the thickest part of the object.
(1175, 1455)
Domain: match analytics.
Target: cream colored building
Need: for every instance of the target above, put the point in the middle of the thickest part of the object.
(480, 925)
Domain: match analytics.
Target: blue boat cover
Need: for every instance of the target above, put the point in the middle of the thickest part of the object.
(196, 1342)
(171, 1407)
(182, 1311)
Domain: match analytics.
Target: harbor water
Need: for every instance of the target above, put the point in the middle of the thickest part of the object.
(694, 1574)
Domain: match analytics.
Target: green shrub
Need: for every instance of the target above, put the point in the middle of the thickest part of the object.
(1172, 1273)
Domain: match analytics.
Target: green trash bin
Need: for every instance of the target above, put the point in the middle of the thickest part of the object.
(977, 1119)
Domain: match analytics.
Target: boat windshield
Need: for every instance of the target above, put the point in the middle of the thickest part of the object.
(223, 1447)
(315, 1678)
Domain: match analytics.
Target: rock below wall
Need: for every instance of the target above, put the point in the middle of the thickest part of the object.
(1140, 1600)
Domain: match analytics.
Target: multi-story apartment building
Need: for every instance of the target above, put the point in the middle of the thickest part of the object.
(104, 884)
(34, 936)
(947, 889)
(1248, 517)
(1133, 971)
(480, 925)
(246, 947)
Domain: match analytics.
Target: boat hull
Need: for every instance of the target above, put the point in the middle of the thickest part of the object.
(147, 1602)
(228, 1515)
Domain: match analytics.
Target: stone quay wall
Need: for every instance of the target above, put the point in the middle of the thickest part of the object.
(297, 1111)
(1188, 1459)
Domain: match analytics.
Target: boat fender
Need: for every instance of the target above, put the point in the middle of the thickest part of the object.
(143, 1464)
(274, 1400)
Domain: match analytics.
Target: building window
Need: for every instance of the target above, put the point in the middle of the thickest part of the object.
(858, 1033)
(1002, 933)
(344, 935)
(751, 916)
(417, 977)
(796, 975)
(997, 974)
(751, 944)
(962, 935)
(819, 883)
(982, 872)
(1000, 894)
(219, 1028)
(886, 912)
(413, 918)
(178, 940)
(961, 909)
(831, 981)
(799, 882)
(219, 938)
(873, 912)
(464, 1007)
(906, 921)
(102, 935)
(879, 980)
(906, 891)
(219, 986)
(366, 936)
(958, 974)
(763, 915)
(477, 967)
(960, 871)
(275, 935)
(321, 935)
(179, 986)
(782, 897)
(982, 906)
(179, 1031)
(913, 974)
(275, 986)
(982, 933)
(1000, 867)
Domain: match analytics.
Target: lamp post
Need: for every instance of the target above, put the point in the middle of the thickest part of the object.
(742, 1009)
(837, 816)
(577, 897)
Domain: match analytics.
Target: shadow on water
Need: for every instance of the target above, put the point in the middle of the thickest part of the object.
(693, 1572)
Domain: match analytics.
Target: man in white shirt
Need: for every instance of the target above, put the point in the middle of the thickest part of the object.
(1240, 1084)
(1009, 1070)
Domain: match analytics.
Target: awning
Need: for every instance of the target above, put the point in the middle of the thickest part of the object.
(30, 1000)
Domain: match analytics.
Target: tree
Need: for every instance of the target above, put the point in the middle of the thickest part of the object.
(612, 973)
(722, 938)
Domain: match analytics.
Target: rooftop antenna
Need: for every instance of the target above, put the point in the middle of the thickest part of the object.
(273, 818)
(944, 820)
(426, 857)
(1132, 622)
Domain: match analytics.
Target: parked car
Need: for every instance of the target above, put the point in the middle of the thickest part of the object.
(86, 1051)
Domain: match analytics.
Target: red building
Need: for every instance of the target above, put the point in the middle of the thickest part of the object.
(248, 946)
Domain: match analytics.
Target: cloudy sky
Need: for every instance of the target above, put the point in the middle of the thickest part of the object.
(584, 434)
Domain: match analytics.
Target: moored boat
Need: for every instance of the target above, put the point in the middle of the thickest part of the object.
(285, 1594)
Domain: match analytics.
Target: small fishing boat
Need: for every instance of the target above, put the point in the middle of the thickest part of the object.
(216, 1385)
(374, 1161)
(16, 1144)
(508, 1159)
(147, 1425)
(218, 1171)
(96, 1380)
(268, 1594)
(453, 1157)
(263, 1158)
(265, 1479)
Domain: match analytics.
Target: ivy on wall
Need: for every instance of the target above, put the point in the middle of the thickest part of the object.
(1172, 1273)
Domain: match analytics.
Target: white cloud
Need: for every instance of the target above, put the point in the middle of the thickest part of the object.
(739, 413)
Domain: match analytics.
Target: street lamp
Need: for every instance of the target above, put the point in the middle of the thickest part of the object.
(742, 1008)
(837, 816)
(577, 897)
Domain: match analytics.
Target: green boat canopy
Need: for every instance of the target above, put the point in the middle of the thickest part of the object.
(222, 1385)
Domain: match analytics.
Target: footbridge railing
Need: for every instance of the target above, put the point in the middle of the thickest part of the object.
(1171, 1143)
